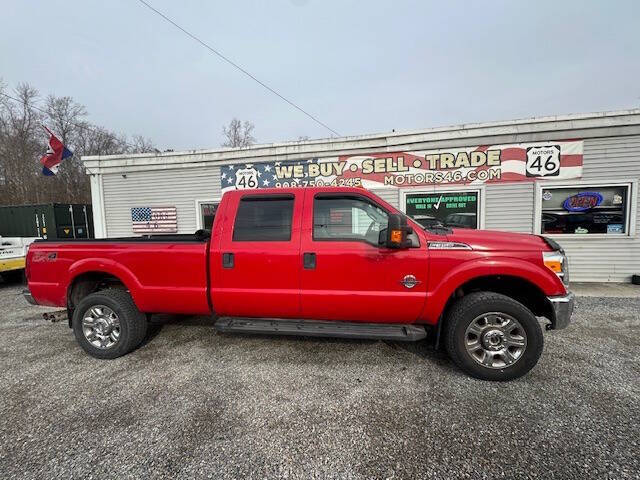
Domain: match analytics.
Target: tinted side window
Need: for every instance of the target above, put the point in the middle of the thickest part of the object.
(263, 219)
(347, 218)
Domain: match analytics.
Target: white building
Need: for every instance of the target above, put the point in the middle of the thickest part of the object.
(573, 178)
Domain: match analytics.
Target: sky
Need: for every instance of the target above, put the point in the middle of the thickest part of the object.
(361, 67)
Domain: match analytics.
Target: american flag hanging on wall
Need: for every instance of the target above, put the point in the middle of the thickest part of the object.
(154, 220)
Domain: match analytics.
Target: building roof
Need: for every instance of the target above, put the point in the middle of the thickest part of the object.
(581, 125)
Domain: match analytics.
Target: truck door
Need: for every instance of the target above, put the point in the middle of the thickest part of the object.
(258, 274)
(346, 275)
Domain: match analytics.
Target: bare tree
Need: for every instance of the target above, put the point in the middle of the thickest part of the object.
(238, 134)
(63, 116)
(93, 140)
(23, 141)
(140, 144)
(18, 130)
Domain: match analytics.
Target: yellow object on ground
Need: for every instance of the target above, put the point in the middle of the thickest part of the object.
(11, 264)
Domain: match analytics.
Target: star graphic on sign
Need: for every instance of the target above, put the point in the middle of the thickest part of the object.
(265, 183)
(229, 181)
(232, 167)
(223, 176)
(259, 172)
(274, 177)
(267, 168)
(277, 163)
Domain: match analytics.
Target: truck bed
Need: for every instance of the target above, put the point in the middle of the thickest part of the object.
(164, 273)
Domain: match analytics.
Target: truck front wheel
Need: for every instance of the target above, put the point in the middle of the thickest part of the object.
(107, 324)
(493, 337)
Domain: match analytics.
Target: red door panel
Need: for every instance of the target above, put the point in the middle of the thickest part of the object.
(358, 281)
(264, 278)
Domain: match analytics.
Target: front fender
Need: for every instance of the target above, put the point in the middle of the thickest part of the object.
(444, 282)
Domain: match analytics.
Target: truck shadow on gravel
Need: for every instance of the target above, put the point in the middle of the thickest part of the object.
(424, 349)
(157, 322)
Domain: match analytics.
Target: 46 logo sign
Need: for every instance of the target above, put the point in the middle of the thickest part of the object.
(247, 178)
(543, 161)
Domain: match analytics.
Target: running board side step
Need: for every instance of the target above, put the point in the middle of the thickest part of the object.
(318, 328)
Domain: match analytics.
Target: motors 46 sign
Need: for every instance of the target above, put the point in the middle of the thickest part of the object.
(464, 166)
(246, 178)
(543, 161)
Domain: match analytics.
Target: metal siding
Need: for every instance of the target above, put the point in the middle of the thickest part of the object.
(179, 188)
(388, 195)
(509, 207)
(611, 159)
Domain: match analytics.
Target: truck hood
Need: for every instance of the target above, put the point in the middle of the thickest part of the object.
(493, 240)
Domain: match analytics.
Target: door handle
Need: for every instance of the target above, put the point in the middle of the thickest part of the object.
(309, 260)
(227, 260)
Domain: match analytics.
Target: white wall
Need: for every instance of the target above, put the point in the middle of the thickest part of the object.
(179, 188)
(610, 259)
(509, 207)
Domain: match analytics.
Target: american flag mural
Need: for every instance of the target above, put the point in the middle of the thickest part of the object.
(458, 166)
(154, 219)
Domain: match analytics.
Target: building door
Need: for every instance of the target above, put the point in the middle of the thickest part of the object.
(347, 275)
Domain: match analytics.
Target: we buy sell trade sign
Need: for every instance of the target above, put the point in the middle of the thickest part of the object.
(466, 166)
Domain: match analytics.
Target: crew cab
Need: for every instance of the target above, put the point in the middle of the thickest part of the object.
(316, 262)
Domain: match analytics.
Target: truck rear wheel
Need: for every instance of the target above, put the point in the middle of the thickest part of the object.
(493, 337)
(107, 324)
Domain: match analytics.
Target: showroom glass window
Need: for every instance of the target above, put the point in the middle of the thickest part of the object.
(348, 219)
(263, 219)
(451, 209)
(585, 210)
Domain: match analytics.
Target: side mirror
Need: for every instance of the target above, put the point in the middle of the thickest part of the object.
(397, 231)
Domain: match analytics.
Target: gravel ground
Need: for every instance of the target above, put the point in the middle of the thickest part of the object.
(193, 403)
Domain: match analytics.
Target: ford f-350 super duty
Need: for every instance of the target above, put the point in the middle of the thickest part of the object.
(316, 262)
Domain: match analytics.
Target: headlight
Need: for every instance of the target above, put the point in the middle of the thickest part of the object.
(557, 262)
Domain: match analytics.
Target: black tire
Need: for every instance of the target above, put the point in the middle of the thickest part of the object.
(474, 305)
(133, 323)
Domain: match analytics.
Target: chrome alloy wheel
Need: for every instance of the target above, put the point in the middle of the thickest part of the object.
(495, 340)
(101, 327)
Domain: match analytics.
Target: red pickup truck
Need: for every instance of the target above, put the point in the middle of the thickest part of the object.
(316, 262)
